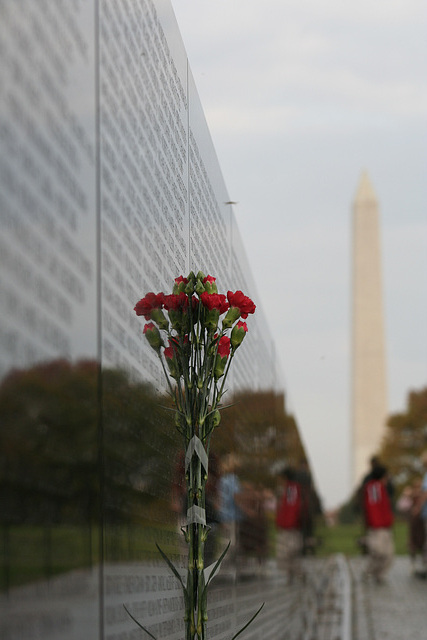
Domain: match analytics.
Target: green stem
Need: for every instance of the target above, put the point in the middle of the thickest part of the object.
(190, 586)
(224, 378)
(201, 600)
(167, 377)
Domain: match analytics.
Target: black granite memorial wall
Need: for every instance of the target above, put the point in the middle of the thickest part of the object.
(109, 188)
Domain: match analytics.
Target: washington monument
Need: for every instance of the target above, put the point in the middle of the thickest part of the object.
(369, 387)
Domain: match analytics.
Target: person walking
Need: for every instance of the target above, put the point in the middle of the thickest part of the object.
(421, 509)
(374, 464)
(409, 506)
(230, 512)
(289, 541)
(378, 520)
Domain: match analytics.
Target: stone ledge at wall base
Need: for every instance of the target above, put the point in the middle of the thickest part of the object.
(59, 608)
(317, 607)
(334, 613)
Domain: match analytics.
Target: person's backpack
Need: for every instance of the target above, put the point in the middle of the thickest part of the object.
(378, 512)
(289, 513)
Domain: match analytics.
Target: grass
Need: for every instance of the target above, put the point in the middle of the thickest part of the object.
(29, 553)
(33, 552)
(342, 538)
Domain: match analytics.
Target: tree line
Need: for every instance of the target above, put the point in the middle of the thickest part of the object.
(79, 444)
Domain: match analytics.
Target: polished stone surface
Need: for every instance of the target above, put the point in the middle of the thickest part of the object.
(109, 188)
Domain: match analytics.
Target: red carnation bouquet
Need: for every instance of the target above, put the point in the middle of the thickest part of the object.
(189, 340)
(195, 332)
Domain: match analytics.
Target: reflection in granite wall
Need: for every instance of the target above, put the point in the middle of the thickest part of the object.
(49, 476)
(110, 188)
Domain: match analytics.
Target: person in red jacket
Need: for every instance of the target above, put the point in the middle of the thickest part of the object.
(289, 539)
(378, 515)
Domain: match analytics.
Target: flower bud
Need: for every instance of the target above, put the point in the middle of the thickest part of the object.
(219, 367)
(237, 334)
(189, 289)
(199, 288)
(210, 284)
(152, 334)
(180, 284)
(216, 418)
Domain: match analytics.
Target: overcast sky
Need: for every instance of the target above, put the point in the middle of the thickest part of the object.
(300, 96)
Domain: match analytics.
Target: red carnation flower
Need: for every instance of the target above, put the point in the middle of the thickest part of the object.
(175, 301)
(221, 357)
(148, 303)
(224, 347)
(214, 301)
(169, 352)
(241, 302)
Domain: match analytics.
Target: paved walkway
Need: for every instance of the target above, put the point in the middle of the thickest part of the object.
(396, 610)
(339, 603)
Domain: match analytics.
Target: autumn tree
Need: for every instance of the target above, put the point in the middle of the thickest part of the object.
(258, 428)
(406, 439)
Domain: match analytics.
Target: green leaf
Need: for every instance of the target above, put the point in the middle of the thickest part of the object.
(248, 623)
(175, 572)
(138, 623)
(171, 566)
(216, 567)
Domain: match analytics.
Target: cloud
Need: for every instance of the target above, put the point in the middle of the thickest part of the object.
(277, 66)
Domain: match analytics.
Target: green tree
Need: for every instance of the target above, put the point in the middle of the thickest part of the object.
(67, 430)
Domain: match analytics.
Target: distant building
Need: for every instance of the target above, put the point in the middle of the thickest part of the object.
(369, 387)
